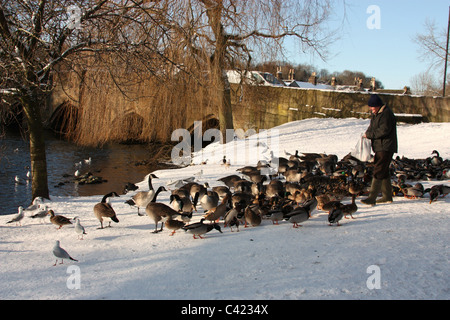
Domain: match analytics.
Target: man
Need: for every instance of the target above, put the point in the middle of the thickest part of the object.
(382, 132)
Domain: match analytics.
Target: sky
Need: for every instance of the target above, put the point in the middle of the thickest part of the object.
(387, 51)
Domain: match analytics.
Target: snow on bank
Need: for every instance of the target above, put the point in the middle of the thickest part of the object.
(404, 246)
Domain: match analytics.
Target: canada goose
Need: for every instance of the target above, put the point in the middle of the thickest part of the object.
(200, 228)
(230, 180)
(198, 188)
(182, 204)
(159, 212)
(142, 198)
(58, 220)
(436, 160)
(209, 200)
(18, 217)
(104, 209)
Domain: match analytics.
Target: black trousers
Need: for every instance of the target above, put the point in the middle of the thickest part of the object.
(382, 162)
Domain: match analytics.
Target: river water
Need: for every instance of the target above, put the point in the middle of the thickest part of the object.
(116, 163)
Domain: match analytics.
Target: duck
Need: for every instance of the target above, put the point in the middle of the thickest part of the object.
(142, 198)
(18, 217)
(231, 218)
(350, 209)
(173, 225)
(58, 219)
(438, 190)
(297, 216)
(214, 214)
(336, 214)
(104, 209)
(79, 229)
(413, 192)
(251, 217)
(275, 216)
(200, 228)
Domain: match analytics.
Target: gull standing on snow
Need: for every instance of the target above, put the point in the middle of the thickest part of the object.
(79, 229)
(18, 217)
(60, 253)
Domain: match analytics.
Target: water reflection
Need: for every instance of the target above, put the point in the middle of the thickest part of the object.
(114, 163)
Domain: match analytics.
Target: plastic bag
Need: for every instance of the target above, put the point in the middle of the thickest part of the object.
(362, 150)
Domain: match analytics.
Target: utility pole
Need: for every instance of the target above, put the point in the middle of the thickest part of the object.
(446, 53)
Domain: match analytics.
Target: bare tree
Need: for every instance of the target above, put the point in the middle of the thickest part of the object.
(230, 34)
(36, 37)
(433, 49)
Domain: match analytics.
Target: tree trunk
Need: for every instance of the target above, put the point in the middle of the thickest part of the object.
(39, 183)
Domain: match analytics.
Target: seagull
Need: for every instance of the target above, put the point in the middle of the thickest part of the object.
(61, 253)
(41, 213)
(88, 161)
(35, 205)
(18, 217)
(79, 229)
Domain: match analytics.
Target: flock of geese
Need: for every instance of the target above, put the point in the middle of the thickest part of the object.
(302, 183)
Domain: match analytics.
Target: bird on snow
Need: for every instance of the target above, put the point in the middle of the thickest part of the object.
(200, 228)
(438, 190)
(41, 213)
(104, 209)
(58, 220)
(18, 217)
(60, 253)
(142, 198)
(79, 229)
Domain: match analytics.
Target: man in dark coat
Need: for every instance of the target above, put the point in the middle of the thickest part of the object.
(382, 132)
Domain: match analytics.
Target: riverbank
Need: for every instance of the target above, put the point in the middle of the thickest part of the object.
(402, 247)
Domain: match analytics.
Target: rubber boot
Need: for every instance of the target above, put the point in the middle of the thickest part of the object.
(374, 191)
(386, 190)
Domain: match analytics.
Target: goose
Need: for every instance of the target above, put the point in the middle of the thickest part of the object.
(58, 219)
(436, 160)
(18, 217)
(209, 200)
(142, 198)
(182, 204)
(200, 228)
(104, 209)
(159, 211)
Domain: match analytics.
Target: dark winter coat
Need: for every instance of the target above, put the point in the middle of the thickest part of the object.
(383, 131)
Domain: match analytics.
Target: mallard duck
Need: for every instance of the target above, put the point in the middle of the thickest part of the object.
(275, 216)
(58, 219)
(142, 198)
(413, 192)
(335, 214)
(174, 225)
(438, 190)
(216, 213)
(251, 217)
(104, 209)
(200, 228)
(297, 216)
(350, 209)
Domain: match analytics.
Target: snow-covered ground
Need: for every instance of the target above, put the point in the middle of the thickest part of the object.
(391, 251)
